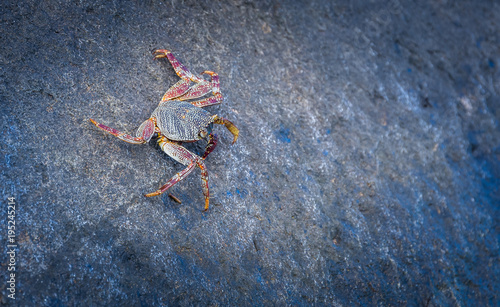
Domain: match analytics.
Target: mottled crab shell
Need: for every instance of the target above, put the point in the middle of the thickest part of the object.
(182, 121)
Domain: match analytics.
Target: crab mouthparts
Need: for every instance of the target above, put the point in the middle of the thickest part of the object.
(205, 132)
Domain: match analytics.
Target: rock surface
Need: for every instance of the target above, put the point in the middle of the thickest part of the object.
(367, 170)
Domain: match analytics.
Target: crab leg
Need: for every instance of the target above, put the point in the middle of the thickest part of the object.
(212, 142)
(122, 136)
(214, 80)
(180, 69)
(196, 91)
(178, 89)
(184, 156)
(177, 177)
(215, 86)
(181, 89)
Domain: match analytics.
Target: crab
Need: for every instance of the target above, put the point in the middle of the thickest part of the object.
(177, 120)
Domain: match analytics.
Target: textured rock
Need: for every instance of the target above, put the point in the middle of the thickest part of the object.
(367, 169)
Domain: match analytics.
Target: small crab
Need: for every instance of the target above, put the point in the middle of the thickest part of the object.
(176, 121)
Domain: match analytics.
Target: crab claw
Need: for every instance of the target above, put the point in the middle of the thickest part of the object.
(229, 125)
(232, 128)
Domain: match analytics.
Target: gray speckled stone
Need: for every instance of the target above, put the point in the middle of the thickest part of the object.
(366, 173)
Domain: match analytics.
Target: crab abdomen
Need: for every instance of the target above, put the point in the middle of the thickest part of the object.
(181, 121)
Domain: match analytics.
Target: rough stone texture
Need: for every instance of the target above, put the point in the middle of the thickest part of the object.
(367, 170)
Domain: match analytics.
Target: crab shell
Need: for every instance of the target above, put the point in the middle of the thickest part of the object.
(181, 121)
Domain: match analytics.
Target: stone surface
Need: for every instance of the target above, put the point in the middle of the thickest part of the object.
(367, 170)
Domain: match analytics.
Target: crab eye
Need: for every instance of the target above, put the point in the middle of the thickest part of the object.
(203, 132)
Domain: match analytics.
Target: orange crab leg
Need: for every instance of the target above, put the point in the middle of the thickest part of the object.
(122, 136)
(204, 184)
(184, 156)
